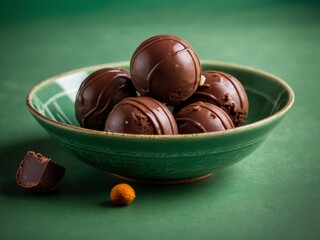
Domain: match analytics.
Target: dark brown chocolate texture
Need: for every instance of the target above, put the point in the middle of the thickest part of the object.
(166, 68)
(202, 117)
(98, 94)
(38, 173)
(141, 115)
(226, 92)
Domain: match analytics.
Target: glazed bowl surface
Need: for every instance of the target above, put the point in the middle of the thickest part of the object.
(161, 157)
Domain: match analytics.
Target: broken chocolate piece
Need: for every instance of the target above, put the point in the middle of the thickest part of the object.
(38, 173)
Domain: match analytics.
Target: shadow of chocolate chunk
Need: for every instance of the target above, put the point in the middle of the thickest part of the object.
(38, 173)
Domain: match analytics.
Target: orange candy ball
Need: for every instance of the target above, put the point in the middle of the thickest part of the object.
(122, 194)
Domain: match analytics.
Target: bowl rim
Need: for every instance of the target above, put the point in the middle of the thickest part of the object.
(239, 129)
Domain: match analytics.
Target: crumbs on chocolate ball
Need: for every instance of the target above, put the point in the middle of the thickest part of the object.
(201, 117)
(141, 115)
(224, 91)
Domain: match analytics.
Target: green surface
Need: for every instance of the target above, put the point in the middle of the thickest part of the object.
(273, 194)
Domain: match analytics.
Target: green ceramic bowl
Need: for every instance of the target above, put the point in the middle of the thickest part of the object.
(161, 158)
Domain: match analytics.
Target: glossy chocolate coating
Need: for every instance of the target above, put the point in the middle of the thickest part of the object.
(226, 92)
(202, 117)
(98, 94)
(166, 68)
(38, 173)
(141, 115)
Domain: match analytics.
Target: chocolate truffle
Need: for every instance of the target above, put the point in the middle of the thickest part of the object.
(38, 173)
(166, 68)
(202, 117)
(141, 115)
(98, 94)
(226, 92)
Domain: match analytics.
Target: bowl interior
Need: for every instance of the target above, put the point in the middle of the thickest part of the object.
(55, 97)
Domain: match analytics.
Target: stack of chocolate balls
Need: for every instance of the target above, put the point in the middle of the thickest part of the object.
(165, 92)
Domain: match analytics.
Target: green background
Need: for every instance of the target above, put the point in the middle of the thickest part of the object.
(272, 194)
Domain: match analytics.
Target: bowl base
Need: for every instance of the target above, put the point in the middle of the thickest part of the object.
(165, 182)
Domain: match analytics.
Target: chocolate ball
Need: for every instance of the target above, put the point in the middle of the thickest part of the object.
(202, 117)
(141, 115)
(225, 91)
(98, 94)
(166, 68)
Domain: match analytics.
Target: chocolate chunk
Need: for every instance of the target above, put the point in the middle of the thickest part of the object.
(224, 91)
(166, 68)
(201, 117)
(98, 94)
(39, 173)
(141, 115)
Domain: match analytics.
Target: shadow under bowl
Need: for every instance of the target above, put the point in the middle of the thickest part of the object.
(161, 157)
